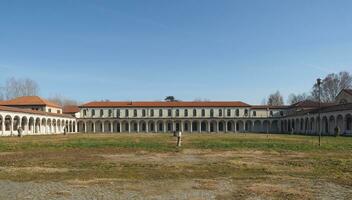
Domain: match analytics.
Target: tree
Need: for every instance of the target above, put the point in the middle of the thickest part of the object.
(275, 99)
(294, 98)
(170, 98)
(20, 87)
(331, 85)
(62, 101)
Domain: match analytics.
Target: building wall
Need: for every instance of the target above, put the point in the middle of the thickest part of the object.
(344, 97)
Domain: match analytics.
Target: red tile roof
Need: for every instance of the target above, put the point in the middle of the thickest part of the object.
(268, 107)
(71, 109)
(29, 101)
(110, 104)
(28, 111)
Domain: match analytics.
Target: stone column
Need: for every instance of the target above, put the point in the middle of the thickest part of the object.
(137, 127)
(147, 127)
(181, 125)
(200, 126)
(156, 127)
(225, 127)
(191, 127)
(93, 127)
(217, 127)
(103, 127)
(164, 127)
(111, 127)
(129, 127)
(209, 124)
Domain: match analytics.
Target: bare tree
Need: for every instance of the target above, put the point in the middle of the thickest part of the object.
(20, 87)
(332, 84)
(275, 99)
(294, 98)
(62, 101)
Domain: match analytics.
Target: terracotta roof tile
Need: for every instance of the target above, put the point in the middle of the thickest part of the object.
(111, 104)
(29, 101)
(28, 111)
(71, 109)
(266, 107)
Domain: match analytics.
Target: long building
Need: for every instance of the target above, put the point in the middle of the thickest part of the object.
(38, 116)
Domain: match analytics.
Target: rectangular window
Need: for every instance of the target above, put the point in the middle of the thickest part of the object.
(228, 112)
(160, 113)
(49, 110)
(152, 113)
(118, 113)
(169, 113)
(186, 113)
(127, 113)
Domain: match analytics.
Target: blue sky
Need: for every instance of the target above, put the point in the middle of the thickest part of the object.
(146, 50)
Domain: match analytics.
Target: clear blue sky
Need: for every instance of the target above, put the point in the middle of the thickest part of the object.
(146, 50)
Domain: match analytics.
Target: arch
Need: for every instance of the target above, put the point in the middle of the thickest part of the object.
(240, 126)
(37, 125)
(1, 123)
(8, 123)
(90, 126)
(274, 126)
(125, 126)
(266, 127)
(54, 126)
(98, 126)
(204, 126)
(169, 126)
(332, 125)
(325, 126)
(160, 127)
(230, 126)
(213, 126)
(248, 126)
(339, 124)
(143, 126)
(348, 121)
(221, 126)
(43, 126)
(187, 126)
(312, 126)
(107, 126)
(117, 126)
(257, 126)
(177, 126)
(16, 123)
(195, 126)
(151, 126)
(48, 123)
(134, 126)
(24, 123)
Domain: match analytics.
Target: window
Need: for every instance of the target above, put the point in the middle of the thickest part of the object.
(211, 113)
(58, 111)
(194, 112)
(203, 112)
(160, 112)
(110, 112)
(237, 112)
(220, 113)
(228, 112)
(254, 113)
(143, 113)
(101, 112)
(282, 113)
(169, 112)
(118, 112)
(186, 113)
(271, 113)
(177, 112)
(127, 113)
(49, 109)
(135, 113)
(84, 112)
(246, 112)
(152, 113)
(93, 112)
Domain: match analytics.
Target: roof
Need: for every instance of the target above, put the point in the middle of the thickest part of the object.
(28, 111)
(70, 109)
(268, 107)
(29, 101)
(333, 108)
(110, 104)
(309, 104)
(348, 91)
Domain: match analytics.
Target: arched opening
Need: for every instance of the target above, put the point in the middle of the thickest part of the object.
(257, 126)
(339, 124)
(230, 126)
(107, 127)
(151, 126)
(160, 126)
(177, 126)
(221, 126)
(204, 126)
(213, 126)
(16, 123)
(248, 126)
(325, 128)
(98, 126)
(266, 127)
(194, 126)
(116, 127)
(186, 126)
(332, 125)
(274, 126)
(169, 126)
(134, 126)
(8, 123)
(143, 126)
(348, 123)
(1, 123)
(240, 126)
(24, 123)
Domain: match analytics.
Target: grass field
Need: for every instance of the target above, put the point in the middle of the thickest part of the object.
(207, 166)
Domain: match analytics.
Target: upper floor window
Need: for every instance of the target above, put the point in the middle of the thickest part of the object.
(110, 113)
(203, 112)
(169, 112)
(194, 112)
(93, 112)
(49, 110)
(118, 112)
(186, 113)
(220, 112)
(237, 112)
(246, 112)
(254, 113)
(143, 113)
(127, 113)
(84, 112)
(101, 112)
(177, 112)
(135, 113)
(228, 112)
(152, 113)
(271, 113)
(282, 113)
(160, 112)
(211, 113)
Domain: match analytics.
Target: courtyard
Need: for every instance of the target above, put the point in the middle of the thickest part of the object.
(150, 166)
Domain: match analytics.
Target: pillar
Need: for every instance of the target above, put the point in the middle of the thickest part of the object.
(146, 127)
(191, 127)
(209, 126)
(137, 127)
(200, 126)
(93, 127)
(103, 127)
(129, 127)
(225, 127)
(235, 126)
(217, 127)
